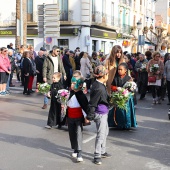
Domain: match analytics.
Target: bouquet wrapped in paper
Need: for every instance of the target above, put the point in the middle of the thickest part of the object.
(130, 86)
(119, 97)
(143, 67)
(62, 97)
(43, 88)
(154, 68)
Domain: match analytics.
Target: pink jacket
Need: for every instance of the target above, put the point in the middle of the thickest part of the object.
(4, 64)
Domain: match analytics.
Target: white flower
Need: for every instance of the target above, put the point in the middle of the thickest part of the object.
(156, 65)
(119, 89)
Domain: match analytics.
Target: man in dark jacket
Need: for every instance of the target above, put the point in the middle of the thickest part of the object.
(39, 60)
(68, 68)
(52, 63)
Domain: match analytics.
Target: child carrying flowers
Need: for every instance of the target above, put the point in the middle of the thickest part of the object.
(123, 113)
(54, 116)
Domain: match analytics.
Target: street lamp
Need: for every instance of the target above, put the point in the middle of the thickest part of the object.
(139, 27)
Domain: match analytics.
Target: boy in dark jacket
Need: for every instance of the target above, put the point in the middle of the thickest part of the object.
(54, 116)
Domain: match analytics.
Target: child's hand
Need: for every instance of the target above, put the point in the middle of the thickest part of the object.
(86, 121)
(49, 94)
(62, 106)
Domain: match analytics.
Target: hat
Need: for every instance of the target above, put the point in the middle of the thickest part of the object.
(43, 49)
(72, 52)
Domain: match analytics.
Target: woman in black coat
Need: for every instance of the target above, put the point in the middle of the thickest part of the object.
(27, 68)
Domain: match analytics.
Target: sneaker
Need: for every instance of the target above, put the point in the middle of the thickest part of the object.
(2, 94)
(7, 93)
(158, 101)
(97, 161)
(154, 101)
(48, 127)
(79, 159)
(106, 155)
(74, 155)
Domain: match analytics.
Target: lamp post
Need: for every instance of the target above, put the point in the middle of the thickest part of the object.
(139, 27)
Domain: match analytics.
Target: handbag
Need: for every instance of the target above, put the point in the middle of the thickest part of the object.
(152, 79)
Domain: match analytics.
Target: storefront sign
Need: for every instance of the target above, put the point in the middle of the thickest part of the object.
(12, 32)
(103, 34)
(119, 35)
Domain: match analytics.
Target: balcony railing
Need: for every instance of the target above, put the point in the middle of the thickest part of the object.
(103, 18)
(9, 21)
(66, 15)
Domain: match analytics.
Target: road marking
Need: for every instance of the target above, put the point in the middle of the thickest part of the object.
(155, 165)
(89, 139)
(147, 108)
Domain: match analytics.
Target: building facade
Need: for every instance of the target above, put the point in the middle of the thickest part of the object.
(92, 25)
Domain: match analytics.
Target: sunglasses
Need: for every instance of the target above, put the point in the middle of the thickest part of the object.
(58, 51)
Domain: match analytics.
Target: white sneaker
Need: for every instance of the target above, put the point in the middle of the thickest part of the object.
(79, 159)
(48, 127)
(74, 155)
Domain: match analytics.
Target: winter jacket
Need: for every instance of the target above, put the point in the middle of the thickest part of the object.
(48, 68)
(161, 68)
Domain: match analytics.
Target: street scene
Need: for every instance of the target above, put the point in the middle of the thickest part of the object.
(85, 84)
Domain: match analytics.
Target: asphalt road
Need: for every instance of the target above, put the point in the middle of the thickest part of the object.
(26, 145)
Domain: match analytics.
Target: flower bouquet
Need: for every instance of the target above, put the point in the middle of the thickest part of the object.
(130, 86)
(154, 68)
(143, 67)
(43, 88)
(62, 97)
(119, 98)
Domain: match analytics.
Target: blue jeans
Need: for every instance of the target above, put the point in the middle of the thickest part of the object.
(45, 100)
(7, 85)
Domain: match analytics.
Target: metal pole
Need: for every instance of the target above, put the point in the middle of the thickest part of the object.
(138, 42)
(44, 39)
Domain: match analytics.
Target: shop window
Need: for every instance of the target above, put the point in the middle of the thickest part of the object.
(103, 46)
(63, 43)
(30, 42)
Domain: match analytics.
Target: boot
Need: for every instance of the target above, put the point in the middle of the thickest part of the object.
(45, 106)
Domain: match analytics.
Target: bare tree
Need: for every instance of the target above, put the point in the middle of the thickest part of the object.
(160, 35)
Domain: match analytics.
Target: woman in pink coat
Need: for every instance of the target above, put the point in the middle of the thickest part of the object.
(5, 70)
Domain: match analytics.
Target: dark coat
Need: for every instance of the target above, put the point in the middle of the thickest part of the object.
(66, 63)
(54, 90)
(27, 68)
(12, 62)
(39, 64)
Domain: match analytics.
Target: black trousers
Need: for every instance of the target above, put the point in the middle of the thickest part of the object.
(54, 116)
(67, 82)
(75, 128)
(10, 78)
(142, 86)
(26, 80)
(22, 77)
(156, 91)
(168, 89)
(18, 72)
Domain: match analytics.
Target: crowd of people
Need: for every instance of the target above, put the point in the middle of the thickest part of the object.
(64, 68)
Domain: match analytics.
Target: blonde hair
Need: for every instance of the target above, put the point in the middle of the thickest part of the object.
(57, 74)
(78, 72)
(155, 53)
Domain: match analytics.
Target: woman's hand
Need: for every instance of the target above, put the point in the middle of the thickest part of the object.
(27, 74)
(158, 72)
